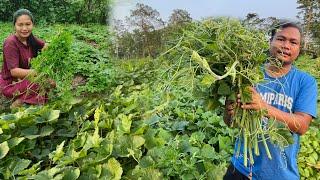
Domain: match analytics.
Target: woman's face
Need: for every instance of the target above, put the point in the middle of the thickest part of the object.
(23, 27)
(285, 45)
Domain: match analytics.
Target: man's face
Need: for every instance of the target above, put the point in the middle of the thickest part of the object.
(285, 45)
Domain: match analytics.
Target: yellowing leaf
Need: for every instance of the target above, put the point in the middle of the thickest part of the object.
(4, 149)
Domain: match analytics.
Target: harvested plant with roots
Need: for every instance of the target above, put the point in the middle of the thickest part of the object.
(231, 57)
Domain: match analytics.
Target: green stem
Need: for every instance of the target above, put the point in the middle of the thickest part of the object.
(266, 146)
(245, 147)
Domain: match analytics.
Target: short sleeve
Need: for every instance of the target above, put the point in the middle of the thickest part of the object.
(11, 54)
(40, 42)
(306, 100)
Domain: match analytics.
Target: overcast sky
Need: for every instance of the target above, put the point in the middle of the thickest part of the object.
(199, 9)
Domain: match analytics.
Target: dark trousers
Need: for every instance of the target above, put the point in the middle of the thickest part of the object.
(233, 174)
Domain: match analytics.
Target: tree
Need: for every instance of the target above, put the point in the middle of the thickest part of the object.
(147, 21)
(179, 17)
(310, 15)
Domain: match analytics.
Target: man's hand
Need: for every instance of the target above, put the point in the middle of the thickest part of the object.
(257, 102)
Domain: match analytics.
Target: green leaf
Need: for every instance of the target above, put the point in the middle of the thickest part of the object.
(53, 115)
(58, 153)
(224, 89)
(112, 170)
(20, 165)
(93, 141)
(30, 133)
(8, 117)
(197, 137)
(47, 174)
(1, 131)
(4, 149)
(152, 120)
(46, 131)
(15, 141)
(125, 123)
(207, 80)
(208, 152)
(137, 141)
(146, 161)
(31, 171)
(71, 174)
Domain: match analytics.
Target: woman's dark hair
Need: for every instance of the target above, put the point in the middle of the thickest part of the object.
(281, 24)
(35, 46)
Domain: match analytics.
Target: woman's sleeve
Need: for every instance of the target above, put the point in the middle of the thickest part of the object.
(11, 54)
(40, 42)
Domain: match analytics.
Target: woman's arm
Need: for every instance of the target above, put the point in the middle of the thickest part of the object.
(21, 73)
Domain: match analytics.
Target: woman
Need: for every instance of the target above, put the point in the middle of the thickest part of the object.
(18, 49)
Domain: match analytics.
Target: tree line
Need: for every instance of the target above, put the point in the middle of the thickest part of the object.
(59, 11)
(145, 34)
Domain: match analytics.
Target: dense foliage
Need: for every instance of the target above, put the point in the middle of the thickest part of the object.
(131, 119)
(59, 11)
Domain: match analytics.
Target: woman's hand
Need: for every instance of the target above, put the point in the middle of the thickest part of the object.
(21, 73)
(52, 83)
(45, 47)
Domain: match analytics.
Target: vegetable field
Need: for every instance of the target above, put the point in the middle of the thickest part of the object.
(125, 119)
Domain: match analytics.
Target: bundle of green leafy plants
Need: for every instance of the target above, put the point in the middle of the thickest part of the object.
(230, 57)
(54, 64)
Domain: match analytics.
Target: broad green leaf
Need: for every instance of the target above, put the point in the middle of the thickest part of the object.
(15, 141)
(46, 130)
(197, 137)
(51, 115)
(4, 149)
(1, 131)
(112, 170)
(125, 123)
(47, 174)
(54, 114)
(224, 89)
(146, 161)
(58, 153)
(97, 113)
(20, 165)
(8, 117)
(208, 152)
(31, 171)
(137, 141)
(145, 173)
(207, 80)
(30, 133)
(71, 174)
(93, 141)
(224, 143)
(153, 119)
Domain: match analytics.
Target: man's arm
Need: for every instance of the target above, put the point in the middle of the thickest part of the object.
(297, 122)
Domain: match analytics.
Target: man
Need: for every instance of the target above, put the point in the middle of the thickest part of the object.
(288, 95)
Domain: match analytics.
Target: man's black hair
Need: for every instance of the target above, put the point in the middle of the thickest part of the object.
(281, 24)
